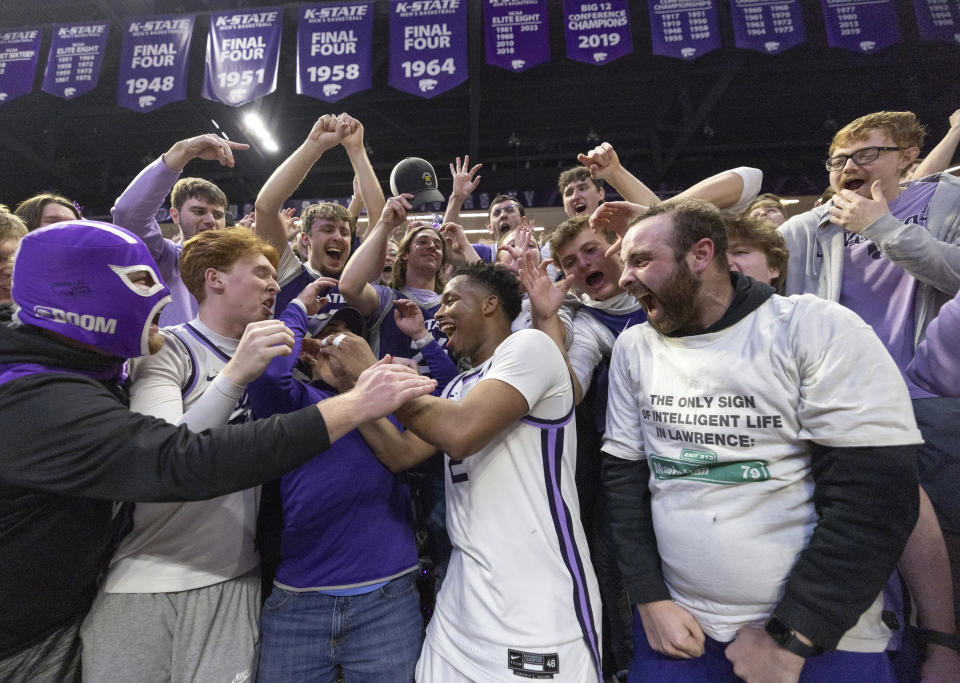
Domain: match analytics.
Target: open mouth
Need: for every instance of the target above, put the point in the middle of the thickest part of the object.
(388, 268)
(594, 279)
(334, 253)
(268, 304)
(853, 184)
(579, 207)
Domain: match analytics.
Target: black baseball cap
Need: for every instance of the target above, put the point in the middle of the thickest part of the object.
(416, 176)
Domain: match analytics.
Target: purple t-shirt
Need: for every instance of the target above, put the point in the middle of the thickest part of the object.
(880, 291)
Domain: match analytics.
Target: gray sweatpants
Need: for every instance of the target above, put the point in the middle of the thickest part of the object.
(204, 634)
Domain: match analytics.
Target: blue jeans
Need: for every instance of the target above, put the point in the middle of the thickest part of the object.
(374, 637)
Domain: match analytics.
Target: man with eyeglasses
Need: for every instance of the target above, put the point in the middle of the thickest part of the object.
(890, 251)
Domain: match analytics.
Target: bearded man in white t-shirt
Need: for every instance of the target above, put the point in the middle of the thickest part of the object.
(761, 485)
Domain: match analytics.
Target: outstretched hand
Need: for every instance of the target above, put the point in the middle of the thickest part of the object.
(464, 181)
(409, 318)
(209, 146)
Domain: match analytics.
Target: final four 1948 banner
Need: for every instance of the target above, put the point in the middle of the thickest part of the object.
(153, 62)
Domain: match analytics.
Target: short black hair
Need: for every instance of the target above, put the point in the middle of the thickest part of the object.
(499, 281)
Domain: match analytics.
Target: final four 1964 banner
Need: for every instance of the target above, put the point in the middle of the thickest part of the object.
(428, 45)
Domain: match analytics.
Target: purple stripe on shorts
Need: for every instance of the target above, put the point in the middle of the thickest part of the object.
(551, 455)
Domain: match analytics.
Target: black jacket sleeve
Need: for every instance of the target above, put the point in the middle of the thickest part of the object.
(70, 435)
(631, 520)
(867, 501)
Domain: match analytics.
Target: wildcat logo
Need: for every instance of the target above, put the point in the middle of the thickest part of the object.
(146, 101)
(867, 45)
(69, 92)
(85, 321)
(518, 64)
(688, 52)
(771, 46)
(599, 56)
(331, 89)
(427, 84)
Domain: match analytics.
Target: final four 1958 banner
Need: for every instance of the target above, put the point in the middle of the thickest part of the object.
(334, 47)
(428, 45)
(243, 50)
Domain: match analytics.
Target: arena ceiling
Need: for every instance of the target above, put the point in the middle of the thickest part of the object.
(672, 122)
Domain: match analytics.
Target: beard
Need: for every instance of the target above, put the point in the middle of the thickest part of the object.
(675, 300)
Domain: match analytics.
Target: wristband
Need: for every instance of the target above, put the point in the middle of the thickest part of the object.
(422, 342)
(948, 640)
(786, 637)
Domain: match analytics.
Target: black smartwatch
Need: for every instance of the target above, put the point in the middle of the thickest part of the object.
(786, 637)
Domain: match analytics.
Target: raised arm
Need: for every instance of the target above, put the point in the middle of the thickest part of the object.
(326, 133)
(136, 208)
(604, 164)
(365, 266)
(371, 193)
(941, 155)
(465, 181)
(731, 189)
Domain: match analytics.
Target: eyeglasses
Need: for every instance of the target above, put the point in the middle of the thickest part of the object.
(861, 157)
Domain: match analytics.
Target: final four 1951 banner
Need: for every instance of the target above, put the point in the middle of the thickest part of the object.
(153, 62)
(334, 47)
(243, 50)
(18, 62)
(76, 53)
(428, 45)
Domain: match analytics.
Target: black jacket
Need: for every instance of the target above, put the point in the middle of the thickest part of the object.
(70, 446)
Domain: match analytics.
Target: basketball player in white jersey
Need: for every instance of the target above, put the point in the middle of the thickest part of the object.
(181, 599)
(520, 597)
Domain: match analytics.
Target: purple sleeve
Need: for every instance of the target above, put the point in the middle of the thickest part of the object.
(936, 364)
(386, 296)
(276, 391)
(442, 367)
(136, 210)
(484, 251)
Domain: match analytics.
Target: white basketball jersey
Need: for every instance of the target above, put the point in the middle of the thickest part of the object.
(520, 577)
(181, 546)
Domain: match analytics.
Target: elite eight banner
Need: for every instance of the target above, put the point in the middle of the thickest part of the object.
(73, 64)
(428, 45)
(334, 47)
(153, 62)
(243, 50)
(517, 33)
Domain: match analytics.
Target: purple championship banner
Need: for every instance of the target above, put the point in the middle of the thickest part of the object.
(428, 45)
(517, 33)
(334, 50)
(861, 25)
(76, 53)
(243, 50)
(597, 32)
(153, 62)
(938, 19)
(768, 26)
(19, 49)
(684, 29)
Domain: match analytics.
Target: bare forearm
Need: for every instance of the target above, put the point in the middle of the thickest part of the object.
(452, 214)
(397, 450)
(370, 189)
(941, 155)
(632, 188)
(926, 569)
(366, 263)
(278, 188)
